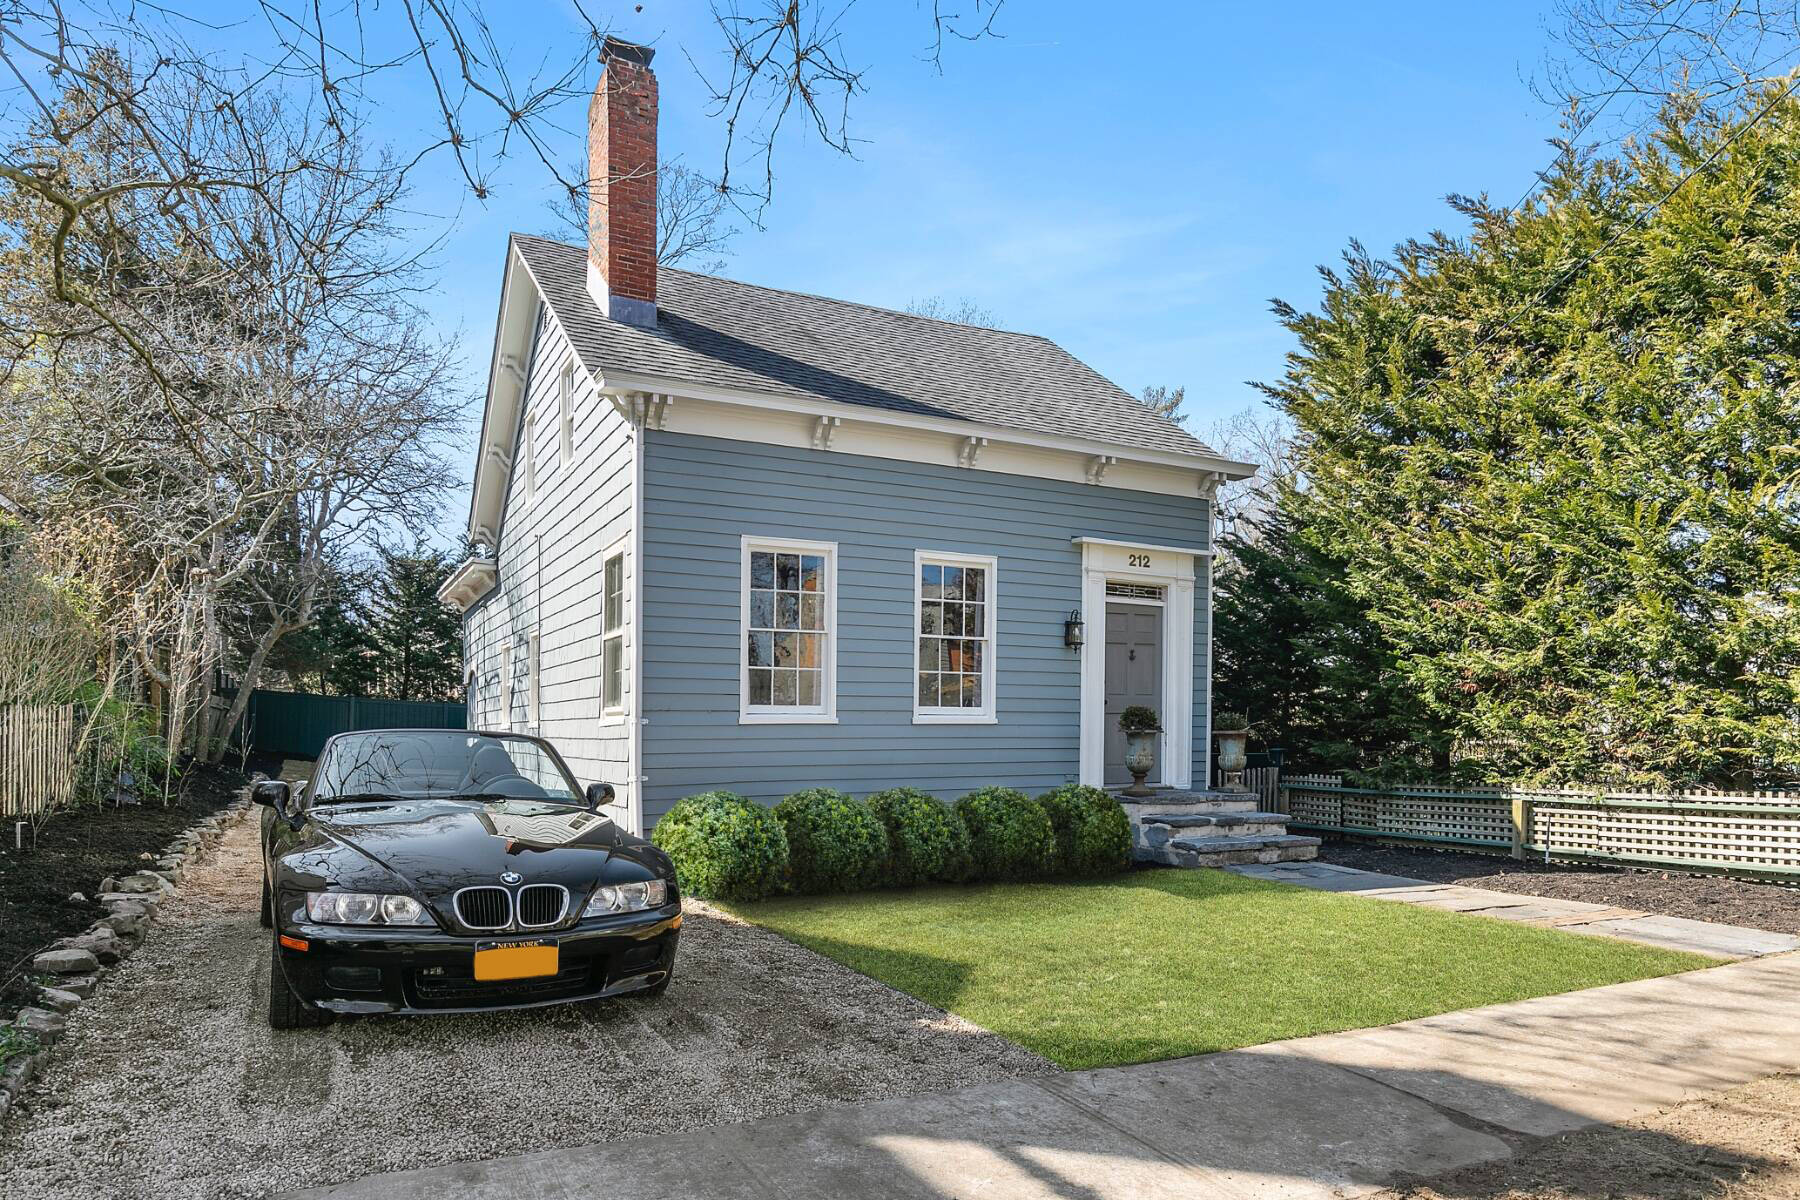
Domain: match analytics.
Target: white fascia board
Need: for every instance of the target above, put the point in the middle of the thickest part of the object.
(613, 383)
(467, 583)
(512, 340)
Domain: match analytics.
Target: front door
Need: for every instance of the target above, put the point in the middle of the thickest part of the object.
(1133, 674)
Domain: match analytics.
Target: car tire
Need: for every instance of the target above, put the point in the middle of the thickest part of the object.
(267, 919)
(286, 1009)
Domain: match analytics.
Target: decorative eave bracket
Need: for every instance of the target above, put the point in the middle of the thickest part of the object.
(657, 414)
(970, 452)
(1098, 466)
(825, 430)
(1209, 483)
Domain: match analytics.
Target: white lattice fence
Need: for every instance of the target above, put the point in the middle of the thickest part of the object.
(1753, 833)
(37, 757)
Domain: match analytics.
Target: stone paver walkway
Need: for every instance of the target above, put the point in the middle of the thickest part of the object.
(1576, 916)
(1337, 1115)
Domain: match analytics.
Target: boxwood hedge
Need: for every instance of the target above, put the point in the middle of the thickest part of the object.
(1010, 836)
(835, 844)
(724, 846)
(1093, 835)
(927, 840)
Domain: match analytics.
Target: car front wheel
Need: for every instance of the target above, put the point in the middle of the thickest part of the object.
(286, 1009)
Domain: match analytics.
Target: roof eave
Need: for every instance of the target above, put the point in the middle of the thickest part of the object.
(620, 383)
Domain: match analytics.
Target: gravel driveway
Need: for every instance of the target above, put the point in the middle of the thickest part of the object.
(171, 1084)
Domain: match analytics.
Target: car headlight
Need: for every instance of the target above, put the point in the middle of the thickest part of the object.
(364, 908)
(626, 897)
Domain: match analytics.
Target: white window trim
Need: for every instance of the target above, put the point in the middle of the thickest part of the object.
(506, 685)
(534, 698)
(565, 400)
(616, 714)
(989, 712)
(826, 712)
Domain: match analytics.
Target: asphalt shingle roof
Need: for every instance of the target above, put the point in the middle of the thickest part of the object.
(722, 333)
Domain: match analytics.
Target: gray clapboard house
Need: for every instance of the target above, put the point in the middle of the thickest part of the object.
(729, 536)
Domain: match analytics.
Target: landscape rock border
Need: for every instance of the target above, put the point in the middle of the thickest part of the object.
(76, 965)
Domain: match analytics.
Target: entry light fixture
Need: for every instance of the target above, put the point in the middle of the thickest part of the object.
(1072, 636)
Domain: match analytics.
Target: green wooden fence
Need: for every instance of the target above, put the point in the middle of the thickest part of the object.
(297, 723)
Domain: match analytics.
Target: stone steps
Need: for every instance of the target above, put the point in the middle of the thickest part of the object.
(1212, 829)
(1232, 851)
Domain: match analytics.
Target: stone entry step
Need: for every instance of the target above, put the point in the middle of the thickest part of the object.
(1212, 829)
(1231, 852)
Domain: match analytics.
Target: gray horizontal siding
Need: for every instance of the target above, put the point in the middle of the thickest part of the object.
(702, 495)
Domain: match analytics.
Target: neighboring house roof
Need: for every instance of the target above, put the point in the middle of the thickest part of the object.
(720, 333)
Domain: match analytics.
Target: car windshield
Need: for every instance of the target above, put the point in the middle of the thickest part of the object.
(415, 764)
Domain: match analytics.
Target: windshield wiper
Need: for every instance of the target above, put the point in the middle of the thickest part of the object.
(364, 798)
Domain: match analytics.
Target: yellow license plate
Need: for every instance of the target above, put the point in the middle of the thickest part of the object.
(514, 960)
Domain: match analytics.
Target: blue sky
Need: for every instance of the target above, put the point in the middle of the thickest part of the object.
(1135, 187)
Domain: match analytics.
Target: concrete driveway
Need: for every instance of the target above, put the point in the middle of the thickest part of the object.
(171, 1084)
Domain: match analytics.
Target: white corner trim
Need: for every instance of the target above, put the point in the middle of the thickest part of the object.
(989, 712)
(825, 712)
(1099, 563)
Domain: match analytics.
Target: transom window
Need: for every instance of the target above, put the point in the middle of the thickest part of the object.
(955, 630)
(789, 613)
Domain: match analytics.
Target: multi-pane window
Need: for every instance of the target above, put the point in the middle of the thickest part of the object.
(529, 450)
(956, 637)
(612, 641)
(787, 629)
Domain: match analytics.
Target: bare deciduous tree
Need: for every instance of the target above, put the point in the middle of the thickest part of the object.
(963, 311)
(693, 225)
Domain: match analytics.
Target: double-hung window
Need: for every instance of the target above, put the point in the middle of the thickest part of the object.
(612, 636)
(954, 606)
(788, 656)
(529, 450)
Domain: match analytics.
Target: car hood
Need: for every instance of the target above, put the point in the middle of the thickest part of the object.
(438, 846)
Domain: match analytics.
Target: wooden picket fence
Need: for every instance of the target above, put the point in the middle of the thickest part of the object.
(1754, 834)
(37, 758)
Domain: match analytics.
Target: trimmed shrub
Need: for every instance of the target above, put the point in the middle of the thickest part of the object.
(724, 846)
(1009, 834)
(927, 840)
(1093, 835)
(835, 844)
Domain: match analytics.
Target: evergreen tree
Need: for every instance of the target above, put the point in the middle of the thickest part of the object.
(418, 638)
(1557, 458)
(1298, 653)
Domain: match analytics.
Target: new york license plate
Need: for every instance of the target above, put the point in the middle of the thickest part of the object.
(515, 960)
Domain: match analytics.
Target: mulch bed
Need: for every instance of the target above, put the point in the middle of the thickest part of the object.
(1774, 907)
(76, 849)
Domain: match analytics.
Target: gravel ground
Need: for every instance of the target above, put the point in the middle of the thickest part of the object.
(171, 1084)
(1770, 906)
(1743, 1144)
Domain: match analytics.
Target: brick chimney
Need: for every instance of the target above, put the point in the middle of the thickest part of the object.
(621, 272)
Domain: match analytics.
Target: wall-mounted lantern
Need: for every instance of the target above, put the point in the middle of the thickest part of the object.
(1072, 636)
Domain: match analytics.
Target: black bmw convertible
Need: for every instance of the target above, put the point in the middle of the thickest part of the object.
(436, 870)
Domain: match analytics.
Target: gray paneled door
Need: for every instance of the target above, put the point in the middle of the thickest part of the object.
(1133, 675)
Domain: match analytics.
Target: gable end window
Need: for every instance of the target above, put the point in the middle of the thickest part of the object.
(954, 619)
(612, 637)
(787, 659)
(565, 405)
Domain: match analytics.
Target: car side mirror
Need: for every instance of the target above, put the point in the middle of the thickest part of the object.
(599, 795)
(272, 793)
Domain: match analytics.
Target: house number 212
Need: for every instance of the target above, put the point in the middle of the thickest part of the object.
(1138, 560)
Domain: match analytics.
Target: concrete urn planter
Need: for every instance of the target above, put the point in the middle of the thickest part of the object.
(1140, 760)
(1232, 759)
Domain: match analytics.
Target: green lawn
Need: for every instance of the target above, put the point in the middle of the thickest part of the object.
(1158, 964)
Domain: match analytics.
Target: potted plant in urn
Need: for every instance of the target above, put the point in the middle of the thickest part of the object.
(1141, 728)
(1232, 729)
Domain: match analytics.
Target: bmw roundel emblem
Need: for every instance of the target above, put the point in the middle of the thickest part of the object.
(511, 877)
